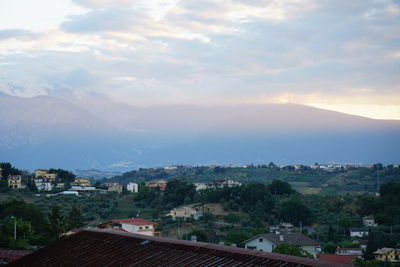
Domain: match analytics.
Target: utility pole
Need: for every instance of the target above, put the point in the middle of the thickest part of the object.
(15, 227)
(377, 179)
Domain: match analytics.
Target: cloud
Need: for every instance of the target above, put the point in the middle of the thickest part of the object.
(152, 52)
(16, 33)
(121, 164)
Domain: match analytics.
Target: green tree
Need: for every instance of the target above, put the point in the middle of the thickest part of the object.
(294, 211)
(293, 250)
(232, 218)
(63, 175)
(57, 223)
(345, 223)
(278, 187)
(236, 237)
(330, 247)
(372, 245)
(75, 218)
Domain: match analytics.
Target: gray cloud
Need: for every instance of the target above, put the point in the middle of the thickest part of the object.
(16, 33)
(191, 53)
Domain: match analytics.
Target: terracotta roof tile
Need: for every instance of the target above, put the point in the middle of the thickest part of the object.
(114, 248)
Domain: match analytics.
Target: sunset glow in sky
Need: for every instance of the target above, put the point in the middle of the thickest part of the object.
(333, 54)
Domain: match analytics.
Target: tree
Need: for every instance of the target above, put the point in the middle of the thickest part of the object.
(75, 218)
(236, 237)
(372, 245)
(330, 247)
(345, 223)
(63, 175)
(56, 223)
(293, 250)
(7, 169)
(294, 211)
(280, 188)
(232, 218)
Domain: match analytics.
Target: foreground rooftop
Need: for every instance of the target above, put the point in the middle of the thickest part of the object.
(97, 247)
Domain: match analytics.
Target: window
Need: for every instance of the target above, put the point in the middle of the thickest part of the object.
(140, 227)
(260, 240)
(146, 227)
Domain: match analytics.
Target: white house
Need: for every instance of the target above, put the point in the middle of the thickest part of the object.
(201, 186)
(185, 212)
(349, 251)
(358, 232)
(369, 221)
(220, 183)
(43, 184)
(267, 242)
(134, 225)
(132, 187)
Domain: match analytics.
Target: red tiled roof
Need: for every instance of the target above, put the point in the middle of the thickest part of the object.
(115, 248)
(134, 221)
(10, 255)
(345, 249)
(343, 259)
(119, 229)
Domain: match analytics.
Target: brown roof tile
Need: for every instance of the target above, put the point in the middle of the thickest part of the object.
(97, 247)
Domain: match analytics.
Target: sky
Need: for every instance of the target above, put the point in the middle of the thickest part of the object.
(333, 54)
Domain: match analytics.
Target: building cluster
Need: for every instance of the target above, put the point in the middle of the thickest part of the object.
(133, 225)
(218, 183)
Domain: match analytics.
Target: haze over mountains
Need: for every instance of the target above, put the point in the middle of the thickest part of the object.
(95, 132)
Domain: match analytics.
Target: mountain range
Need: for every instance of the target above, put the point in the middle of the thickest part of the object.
(95, 132)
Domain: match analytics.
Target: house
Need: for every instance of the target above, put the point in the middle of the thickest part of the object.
(132, 187)
(349, 251)
(43, 184)
(281, 228)
(387, 254)
(114, 187)
(83, 189)
(10, 255)
(220, 183)
(267, 242)
(369, 221)
(340, 259)
(185, 212)
(82, 182)
(158, 184)
(358, 232)
(40, 173)
(97, 247)
(134, 225)
(14, 181)
(201, 186)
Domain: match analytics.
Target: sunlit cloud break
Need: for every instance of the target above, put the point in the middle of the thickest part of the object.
(330, 54)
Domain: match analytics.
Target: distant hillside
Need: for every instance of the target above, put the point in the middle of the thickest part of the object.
(304, 179)
(95, 132)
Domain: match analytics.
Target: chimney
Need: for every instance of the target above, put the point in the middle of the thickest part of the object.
(281, 238)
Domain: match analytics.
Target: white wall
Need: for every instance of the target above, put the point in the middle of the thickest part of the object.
(133, 187)
(310, 249)
(265, 245)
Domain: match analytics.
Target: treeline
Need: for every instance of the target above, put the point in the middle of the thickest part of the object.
(25, 226)
(273, 203)
(343, 179)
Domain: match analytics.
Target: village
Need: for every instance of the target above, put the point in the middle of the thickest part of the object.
(178, 222)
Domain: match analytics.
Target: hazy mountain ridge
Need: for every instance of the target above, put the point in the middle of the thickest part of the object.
(96, 132)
